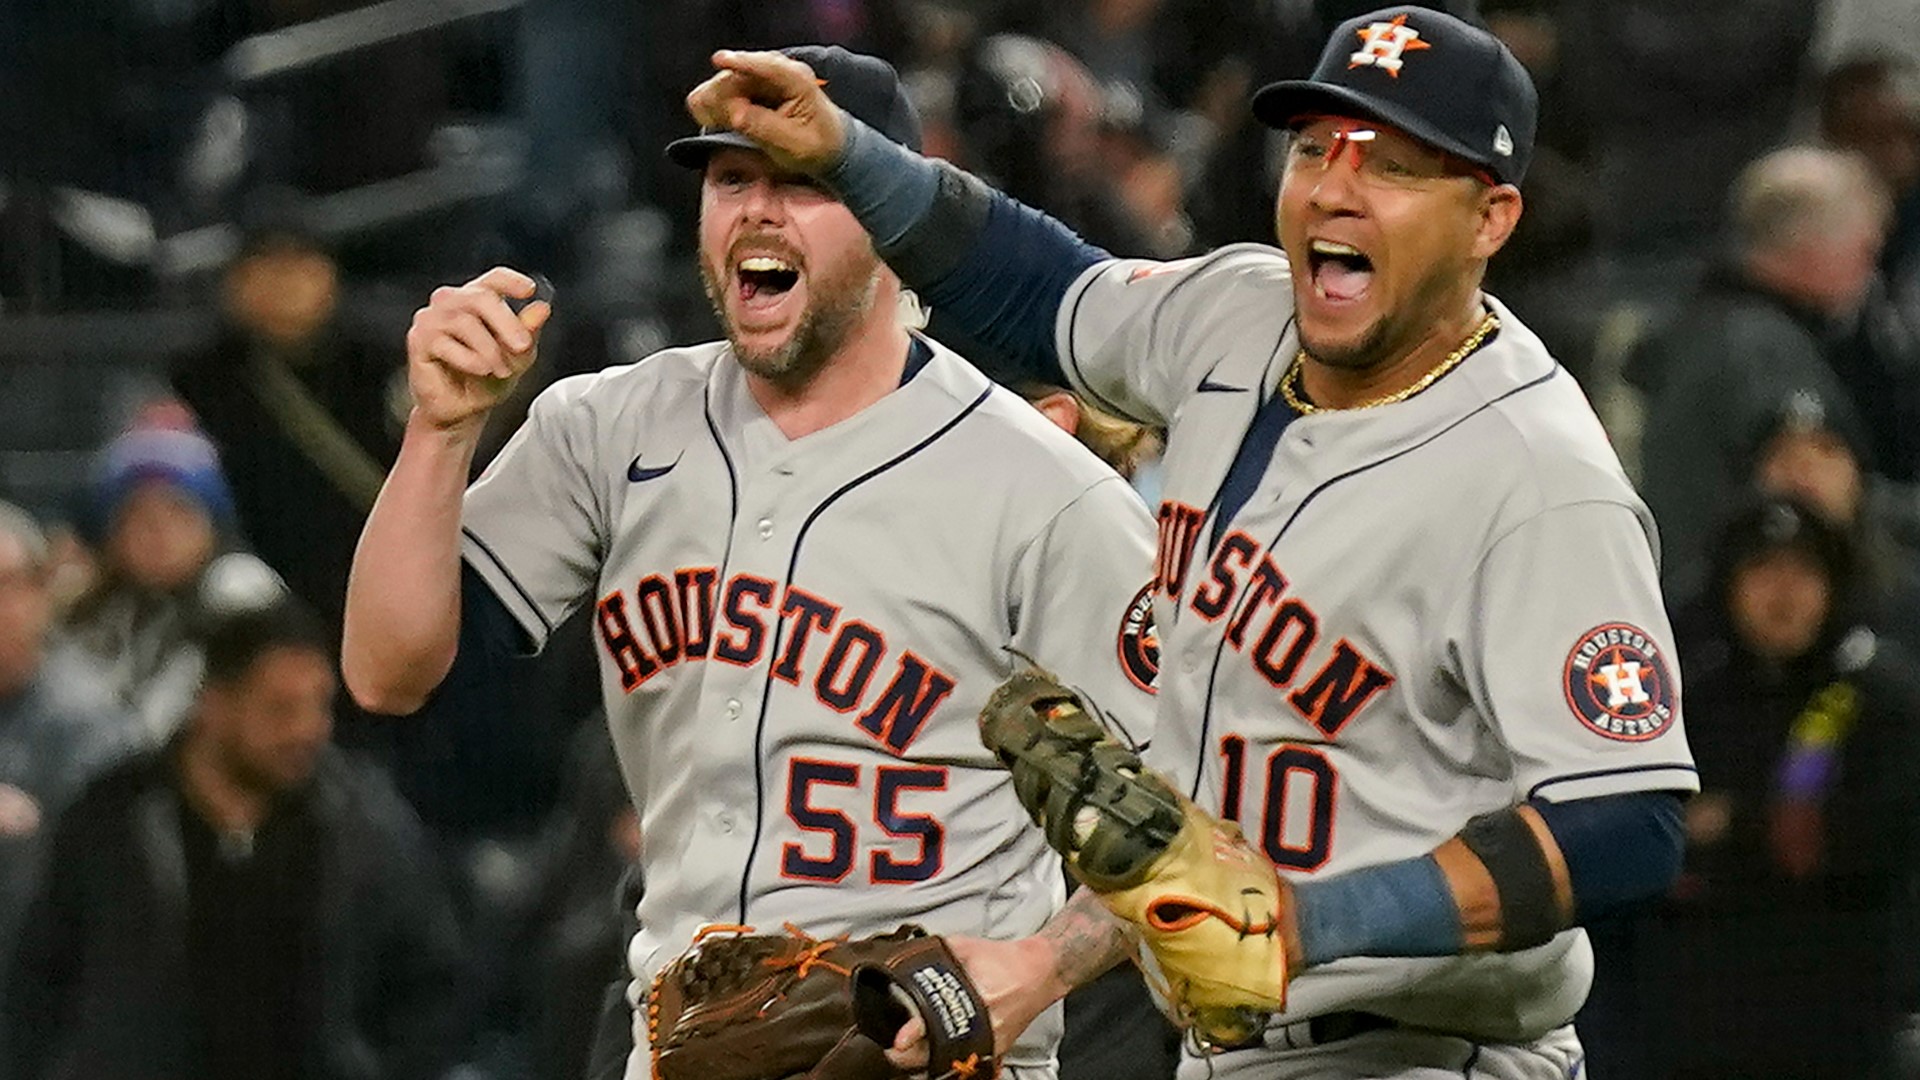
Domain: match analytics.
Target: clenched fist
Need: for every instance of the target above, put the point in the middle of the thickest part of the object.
(467, 348)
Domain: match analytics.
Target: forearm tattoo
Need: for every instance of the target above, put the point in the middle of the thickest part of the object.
(1087, 939)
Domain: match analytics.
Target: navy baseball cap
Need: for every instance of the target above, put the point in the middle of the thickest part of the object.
(1446, 82)
(866, 86)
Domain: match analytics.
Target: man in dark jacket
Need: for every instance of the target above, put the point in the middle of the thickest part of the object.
(243, 903)
(1781, 316)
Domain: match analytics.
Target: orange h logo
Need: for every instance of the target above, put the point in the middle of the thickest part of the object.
(1622, 681)
(1382, 43)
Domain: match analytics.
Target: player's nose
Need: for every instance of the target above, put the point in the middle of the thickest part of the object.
(1337, 186)
(761, 201)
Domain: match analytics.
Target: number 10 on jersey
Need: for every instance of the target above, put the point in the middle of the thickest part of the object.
(1294, 800)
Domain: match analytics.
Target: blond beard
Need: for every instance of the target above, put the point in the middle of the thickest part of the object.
(836, 305)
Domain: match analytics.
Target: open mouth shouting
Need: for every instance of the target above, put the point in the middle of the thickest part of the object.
(766, 290)
(1342, 274)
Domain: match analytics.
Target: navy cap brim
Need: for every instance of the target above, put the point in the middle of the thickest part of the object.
(1279, 105)
(692, 152)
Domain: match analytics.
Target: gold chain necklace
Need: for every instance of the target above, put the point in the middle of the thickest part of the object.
(1291, 379)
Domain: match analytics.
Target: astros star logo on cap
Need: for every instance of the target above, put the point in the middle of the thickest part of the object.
(1382, 43)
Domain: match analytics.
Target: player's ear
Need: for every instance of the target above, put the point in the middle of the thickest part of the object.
(1498, 209)
(1062, 408)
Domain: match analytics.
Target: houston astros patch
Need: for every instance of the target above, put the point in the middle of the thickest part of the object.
(1139, 644)
(1618, 683)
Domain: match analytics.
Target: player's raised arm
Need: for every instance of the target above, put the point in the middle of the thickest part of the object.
(465, 351)
(998, 268)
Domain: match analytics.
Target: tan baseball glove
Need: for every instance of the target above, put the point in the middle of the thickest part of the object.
(1211, 909)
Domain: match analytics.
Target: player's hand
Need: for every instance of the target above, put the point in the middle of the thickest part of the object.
(467, 348)
(777, 102)
(1016, 979)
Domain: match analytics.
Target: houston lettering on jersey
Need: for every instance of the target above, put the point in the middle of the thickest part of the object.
(687, 616)
(1279, 633)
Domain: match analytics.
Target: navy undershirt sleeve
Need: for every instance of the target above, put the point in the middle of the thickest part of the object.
(491, 640)
(1620, 849)
(994, 267)
(1007, 289)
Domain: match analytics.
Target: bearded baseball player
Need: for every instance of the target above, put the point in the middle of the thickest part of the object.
(1418, 716)
(807, 574)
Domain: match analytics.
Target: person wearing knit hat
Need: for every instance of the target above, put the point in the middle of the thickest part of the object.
(159, 512)
(179, 457)
(1813, 448)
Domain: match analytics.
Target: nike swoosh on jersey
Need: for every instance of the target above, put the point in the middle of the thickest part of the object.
(639, 473)
(1208, 386)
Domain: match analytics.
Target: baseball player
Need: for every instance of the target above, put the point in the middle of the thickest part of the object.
(806, 571)
(1411, 634)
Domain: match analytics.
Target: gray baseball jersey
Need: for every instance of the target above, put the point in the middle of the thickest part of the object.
(1426, 610)
(796, 637)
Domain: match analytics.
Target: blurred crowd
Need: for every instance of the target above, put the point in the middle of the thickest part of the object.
(216, 215)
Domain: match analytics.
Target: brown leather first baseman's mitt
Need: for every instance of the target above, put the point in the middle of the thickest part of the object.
(744, 1006)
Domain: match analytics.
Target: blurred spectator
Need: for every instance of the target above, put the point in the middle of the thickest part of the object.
(159, 512)
(1870, 104)
(1850, 27)
(1776, 317)
(1680, 97)
(1233, 164)
(305, 416)
(58, 725)
(1787, 950)
(1036, 123)
(1546, 272)
(1811, 450)
(244, 903)
(307, 419)
(1030, 119)
(1113, 38)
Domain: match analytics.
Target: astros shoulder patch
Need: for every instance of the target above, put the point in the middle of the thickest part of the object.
(1619, 684)
(1139, 643)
